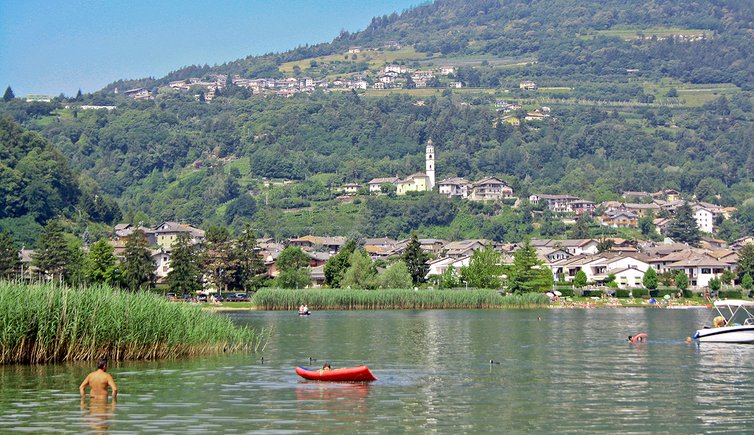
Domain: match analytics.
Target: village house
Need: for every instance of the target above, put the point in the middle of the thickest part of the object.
(705, 219)
(636, 195)
(310, 243)
(551, 255)
(700, 268)
(572, 246)
(490, 189)
(139, 94)
(627, 269)
(397, 69)
(418, 182)
(556, 203)
(583, 206)
(381, 247)
(741, 242)
(528, 85)
(463, 248)
(351, 188)
(375, 186)
(535, 116)
(619, 219)
(668, 195)
(447, 70)
(441, 265)
(455, 187)
(167, 232)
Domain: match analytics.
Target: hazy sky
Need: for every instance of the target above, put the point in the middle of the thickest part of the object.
(54, 46)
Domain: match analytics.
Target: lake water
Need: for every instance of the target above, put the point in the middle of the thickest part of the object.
(571, 371)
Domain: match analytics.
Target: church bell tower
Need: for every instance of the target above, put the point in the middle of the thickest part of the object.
(430, 163)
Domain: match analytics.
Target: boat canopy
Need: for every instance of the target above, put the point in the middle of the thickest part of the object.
(734, 303)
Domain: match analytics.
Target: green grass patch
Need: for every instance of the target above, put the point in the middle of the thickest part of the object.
(354, 299)
(243, 165)
(49, 323)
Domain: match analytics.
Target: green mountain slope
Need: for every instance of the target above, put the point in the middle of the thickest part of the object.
(632, 108)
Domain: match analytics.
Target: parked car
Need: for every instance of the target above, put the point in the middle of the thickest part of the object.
(171, 296)
(201, 297)
(236, 297)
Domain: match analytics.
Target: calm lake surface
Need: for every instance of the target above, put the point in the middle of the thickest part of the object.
(571, 371)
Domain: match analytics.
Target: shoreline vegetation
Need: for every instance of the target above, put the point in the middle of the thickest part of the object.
(356, 299)
(276, 299)
(42, 323)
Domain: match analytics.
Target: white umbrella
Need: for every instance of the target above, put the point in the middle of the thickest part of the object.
(557, 293)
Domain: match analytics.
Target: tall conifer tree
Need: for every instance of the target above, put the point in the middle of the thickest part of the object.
(683, 228)
(138, 267)
(416, 260)
(185, 274)
(52, 254)
(8, 255)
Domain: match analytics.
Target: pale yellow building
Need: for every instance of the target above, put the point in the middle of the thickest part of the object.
(418, 182)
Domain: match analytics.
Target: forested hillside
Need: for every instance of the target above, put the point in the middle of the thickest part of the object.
(681, 118)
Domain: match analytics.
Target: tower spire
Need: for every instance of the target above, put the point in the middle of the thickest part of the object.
(430, 163)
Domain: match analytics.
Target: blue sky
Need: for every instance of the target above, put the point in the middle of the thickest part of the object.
(54, 46)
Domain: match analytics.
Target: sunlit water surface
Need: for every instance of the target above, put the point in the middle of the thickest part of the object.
(571, 371)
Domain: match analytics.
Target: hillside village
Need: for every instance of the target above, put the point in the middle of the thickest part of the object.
(389, 76)
(625, 261)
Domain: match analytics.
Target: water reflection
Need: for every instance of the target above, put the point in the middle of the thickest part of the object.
(573, 371)
(98, 413)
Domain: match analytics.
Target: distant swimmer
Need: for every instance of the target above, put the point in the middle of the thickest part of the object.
(638, 338)
(98, 381)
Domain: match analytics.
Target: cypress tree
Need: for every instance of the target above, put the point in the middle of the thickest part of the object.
(416, 260)
(8, 255)
(138, 267)
(251, 272)
(52, 253)
(8, 95)
(185, 275)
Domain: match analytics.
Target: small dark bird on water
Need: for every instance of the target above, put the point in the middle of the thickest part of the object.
(261, 360)
(494, 362)
(311, 359)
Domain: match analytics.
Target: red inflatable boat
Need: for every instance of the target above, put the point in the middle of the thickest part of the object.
(348, 374)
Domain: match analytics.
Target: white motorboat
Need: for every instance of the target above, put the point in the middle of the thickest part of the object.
(734, 323)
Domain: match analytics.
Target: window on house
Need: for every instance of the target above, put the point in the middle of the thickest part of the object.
(706, 270)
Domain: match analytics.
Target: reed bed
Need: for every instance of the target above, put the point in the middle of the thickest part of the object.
(353, 299)
(48, 323)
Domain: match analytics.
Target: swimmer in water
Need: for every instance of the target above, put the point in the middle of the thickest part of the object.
(98, 381)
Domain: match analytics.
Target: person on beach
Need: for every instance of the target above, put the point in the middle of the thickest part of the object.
(98, 381)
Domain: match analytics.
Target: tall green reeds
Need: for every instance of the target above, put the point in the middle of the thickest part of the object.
(351, 299)
(46, 322)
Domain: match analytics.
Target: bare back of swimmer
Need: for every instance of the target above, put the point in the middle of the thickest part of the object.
(98, 381)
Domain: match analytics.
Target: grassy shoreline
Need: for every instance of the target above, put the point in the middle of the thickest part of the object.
(281, 299)
(49, 323)
(353, 299)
